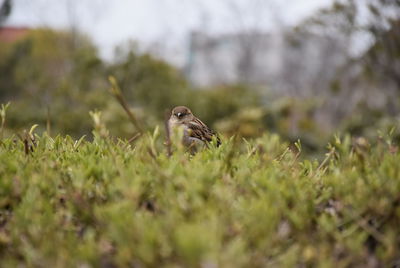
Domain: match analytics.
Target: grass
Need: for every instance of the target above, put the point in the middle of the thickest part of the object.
(107, 203)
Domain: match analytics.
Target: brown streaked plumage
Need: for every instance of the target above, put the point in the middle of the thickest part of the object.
(195, 131)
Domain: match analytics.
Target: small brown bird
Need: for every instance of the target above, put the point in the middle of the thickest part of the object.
(195, 132)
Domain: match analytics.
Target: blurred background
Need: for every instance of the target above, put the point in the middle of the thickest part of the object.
(305, 69)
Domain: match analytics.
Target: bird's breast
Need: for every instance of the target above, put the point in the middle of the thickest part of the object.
(183, 132)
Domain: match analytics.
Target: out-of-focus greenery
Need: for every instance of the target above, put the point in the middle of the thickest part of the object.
(55, 78)
(149, 83)
(258, 200)
(50, 76)
(101, 203)
(365, 94)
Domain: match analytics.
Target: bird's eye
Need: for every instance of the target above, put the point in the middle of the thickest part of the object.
(179, 115)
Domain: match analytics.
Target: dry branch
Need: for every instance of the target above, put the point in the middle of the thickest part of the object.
(116, 92)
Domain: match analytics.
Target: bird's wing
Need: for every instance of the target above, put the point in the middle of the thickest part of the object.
(199, 130)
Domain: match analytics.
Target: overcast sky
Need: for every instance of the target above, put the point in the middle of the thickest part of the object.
(166, 22)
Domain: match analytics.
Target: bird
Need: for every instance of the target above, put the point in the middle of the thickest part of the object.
(195, 133)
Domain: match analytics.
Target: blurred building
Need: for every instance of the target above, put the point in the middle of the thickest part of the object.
(12, 34)
(290, 62)
(232, 58)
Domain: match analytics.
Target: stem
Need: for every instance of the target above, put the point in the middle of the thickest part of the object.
(116, 92)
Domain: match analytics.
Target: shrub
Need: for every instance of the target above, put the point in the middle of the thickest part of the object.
(66, 203)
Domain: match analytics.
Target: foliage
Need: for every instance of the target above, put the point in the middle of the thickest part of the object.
(150, 83)
(367, 85)
(48, 76)
(53, 78)
(220, 102)
(105, 201)
(66, 202)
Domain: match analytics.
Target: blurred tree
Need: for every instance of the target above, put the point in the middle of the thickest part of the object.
(42, 73)
(50, 80)
(382, 60)
(149, 83)
(368, 82)
(221, 102)
(5, 10)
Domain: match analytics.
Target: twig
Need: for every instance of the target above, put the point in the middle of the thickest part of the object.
(135, 137)
(329, 155)
(372, 231)
(3, 111)
(167, 133)
(29, 140)
(25, 141)
(116, 92)
(48, 124)
(282, 155)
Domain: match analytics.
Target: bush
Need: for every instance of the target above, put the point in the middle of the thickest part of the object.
(104, 203)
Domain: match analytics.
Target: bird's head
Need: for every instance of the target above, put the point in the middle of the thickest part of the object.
(181, 114)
